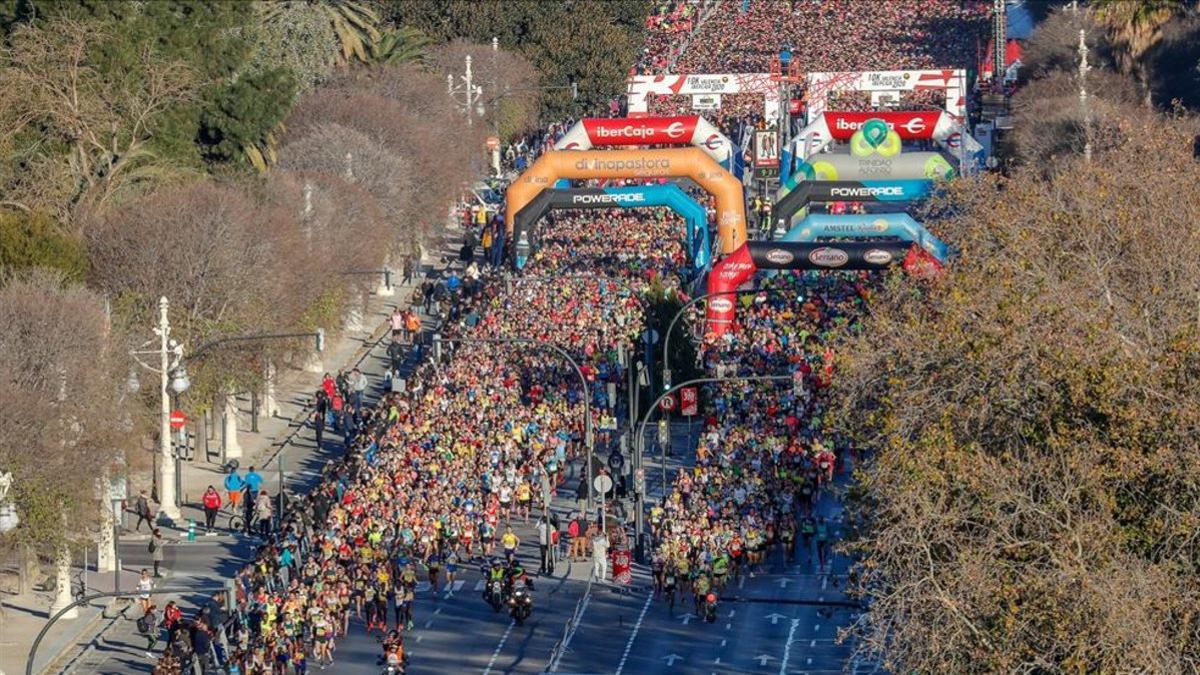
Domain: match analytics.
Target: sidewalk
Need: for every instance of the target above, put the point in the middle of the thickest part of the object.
(25, 615)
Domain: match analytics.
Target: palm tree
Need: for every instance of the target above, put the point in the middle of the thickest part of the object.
(1134, 27)
(356, 24)
(402, 45)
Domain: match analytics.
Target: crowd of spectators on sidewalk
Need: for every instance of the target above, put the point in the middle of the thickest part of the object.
(435, 475)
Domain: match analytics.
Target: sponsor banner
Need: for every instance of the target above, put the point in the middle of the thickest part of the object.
(915, 125)
(908, 165)
(640, 87)
(766, 149)
(682, 130)
(706, 101)
(798, 195)
(644, 131)
(952, 81)
(698, 240)
(742, 264)
(899, 225)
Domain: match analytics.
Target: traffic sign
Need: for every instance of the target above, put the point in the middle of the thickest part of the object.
(178, 419)
(602, 483)
(668, 403)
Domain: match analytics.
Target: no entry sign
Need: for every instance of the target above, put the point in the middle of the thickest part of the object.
(178, 419)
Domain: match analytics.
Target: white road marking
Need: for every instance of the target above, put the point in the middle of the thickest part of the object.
(813, 643)
(633, 636)
(422, 586)
(429, 623)
(727, 626)
(479, 585)
(723, 642)
(787, 647)
(741, 582)
(496, 654)
(816, 628)
(458, 585)
(438, 610)
(825, 582)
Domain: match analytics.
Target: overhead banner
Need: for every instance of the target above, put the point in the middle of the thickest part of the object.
(951, 81)
(639, 196)
(899, 225)
(909, 165)
(795, 196)
(738, 267)
(692, 163)
(911, 125)
(681, 130)
(640, 87)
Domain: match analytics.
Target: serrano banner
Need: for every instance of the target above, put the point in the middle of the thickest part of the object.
(675, 162)
(683, 130)
(899, 225)
(796, 196)
(831, 166)
(525, 234)
(743, 263)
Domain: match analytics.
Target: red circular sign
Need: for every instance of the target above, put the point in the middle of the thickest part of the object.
(668, 403)
(178, 419)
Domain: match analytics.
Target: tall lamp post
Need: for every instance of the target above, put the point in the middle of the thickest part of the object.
(589, 441)
(172, 380)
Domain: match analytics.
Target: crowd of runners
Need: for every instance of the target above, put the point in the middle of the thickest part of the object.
(764, 456)
(435, 477)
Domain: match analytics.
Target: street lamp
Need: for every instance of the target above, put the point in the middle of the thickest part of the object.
(170, 355)
(8, 511)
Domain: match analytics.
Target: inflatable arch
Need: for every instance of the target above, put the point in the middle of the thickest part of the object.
(797, 196)
(671, 195)
(674, 162)
(737, 268)
(899, 225)
(682, 130)
(938, 126)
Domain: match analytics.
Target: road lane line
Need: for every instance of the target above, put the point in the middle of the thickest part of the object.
(496, 654)
(633, 636)
(787, 648)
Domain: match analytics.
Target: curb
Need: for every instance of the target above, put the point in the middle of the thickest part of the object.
(72, 642)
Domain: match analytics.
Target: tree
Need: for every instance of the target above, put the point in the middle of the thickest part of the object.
(295, 36)
(58, 98)
(1134, 27)
(589, 42)
(399, 46)
(354, 22)
(1051, 120)
(356, 158)
(511, 85)
(1033, 499)
(37, 240)
(240, 119)
(61, 414)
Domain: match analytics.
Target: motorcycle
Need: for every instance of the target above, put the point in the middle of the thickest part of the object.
(520, 605)
(710, 607)
(494, 594)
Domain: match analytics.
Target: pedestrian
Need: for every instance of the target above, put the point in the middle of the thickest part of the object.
(156, 550)
(263, 512)
(320, 410)
(144, 585)
(581, 494)
(144, 511)
(234, 484)
(358, 387)
(543, 532)
(600, 556)
(253, 481)
(211, 501)
(148, 625)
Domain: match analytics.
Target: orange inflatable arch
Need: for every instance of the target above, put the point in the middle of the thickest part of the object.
(692, 163)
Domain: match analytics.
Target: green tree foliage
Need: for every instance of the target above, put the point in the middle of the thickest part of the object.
(1034, 499)
(354, 22)
(240, 117)
(294, 36)
(37, 240)
(589, 42)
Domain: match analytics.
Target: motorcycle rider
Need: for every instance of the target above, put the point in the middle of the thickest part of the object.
(516, 573)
